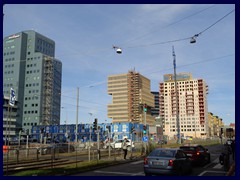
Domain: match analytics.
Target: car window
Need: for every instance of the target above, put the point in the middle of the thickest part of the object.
(162, 153)
(180, 154)
(200, 148)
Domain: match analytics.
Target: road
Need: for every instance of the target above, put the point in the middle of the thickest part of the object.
(135, 168)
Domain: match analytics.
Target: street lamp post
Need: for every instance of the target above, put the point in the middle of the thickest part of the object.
(176, 91)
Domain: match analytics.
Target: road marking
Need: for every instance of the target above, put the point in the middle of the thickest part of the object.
(216, 160)
(137, 162)
(218, 166)
(201, 174)
(120, 173)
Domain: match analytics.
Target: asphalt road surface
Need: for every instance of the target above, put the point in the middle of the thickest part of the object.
(135, 168)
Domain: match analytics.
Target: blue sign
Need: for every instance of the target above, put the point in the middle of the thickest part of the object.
(144, 138)
(12, 97)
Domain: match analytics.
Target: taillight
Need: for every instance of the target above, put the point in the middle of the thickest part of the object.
(198, 153)
(145, 161)
(170, 163)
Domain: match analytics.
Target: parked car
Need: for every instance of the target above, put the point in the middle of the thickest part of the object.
(118, 144)
(197, 153)
(167, 161)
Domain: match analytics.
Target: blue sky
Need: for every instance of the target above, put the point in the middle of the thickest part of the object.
(85, 33)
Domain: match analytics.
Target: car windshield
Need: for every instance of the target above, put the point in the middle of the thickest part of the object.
(163, 153)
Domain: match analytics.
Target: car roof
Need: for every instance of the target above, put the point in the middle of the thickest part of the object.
(168, 149)
(190, 145)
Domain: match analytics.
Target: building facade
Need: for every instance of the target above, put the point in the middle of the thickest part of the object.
(214, 124)
(193, 109)
(129, 94)
(29, 67)
(155, 109)
(10, 114)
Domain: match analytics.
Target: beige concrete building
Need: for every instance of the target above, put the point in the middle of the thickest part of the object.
(215, 125)
(193, 111)
(129, 92)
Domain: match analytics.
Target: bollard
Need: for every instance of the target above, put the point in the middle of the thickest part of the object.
(17, 153)
(38, 152)
(99, 154)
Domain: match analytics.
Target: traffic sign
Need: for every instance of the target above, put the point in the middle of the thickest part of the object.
(144, 138)
(12, 97)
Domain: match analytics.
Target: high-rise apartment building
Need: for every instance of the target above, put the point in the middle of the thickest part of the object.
(129, 93)
(193, 108)
(29, 67)
(155, 109)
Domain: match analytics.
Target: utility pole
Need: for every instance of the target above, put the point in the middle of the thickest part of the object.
(76, 137)
(176, 92)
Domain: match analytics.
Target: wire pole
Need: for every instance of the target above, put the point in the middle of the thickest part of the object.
(76, 137)
(176, 91)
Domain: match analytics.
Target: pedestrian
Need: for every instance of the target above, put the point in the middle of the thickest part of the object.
(233, 149)
(124, 147)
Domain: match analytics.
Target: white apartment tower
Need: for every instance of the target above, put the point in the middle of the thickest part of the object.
(193, 109)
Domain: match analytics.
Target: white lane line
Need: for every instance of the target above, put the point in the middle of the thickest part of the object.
(120, 173)
(218, 166)
(137, 162)
(216, 160)
(201, 174)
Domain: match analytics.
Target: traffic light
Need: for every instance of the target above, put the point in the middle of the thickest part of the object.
(145, 107)
(144, 129)
(27, 132)
(95, 124)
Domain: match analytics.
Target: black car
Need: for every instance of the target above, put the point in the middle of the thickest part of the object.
(197, 153)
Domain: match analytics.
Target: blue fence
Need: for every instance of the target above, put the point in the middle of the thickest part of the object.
(67, 132)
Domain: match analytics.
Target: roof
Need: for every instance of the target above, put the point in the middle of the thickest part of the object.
(190, 145)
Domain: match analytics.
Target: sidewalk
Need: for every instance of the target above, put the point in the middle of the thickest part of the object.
(231, 170)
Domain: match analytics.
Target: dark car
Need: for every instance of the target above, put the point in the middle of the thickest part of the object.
(197, 153)
(167, 161)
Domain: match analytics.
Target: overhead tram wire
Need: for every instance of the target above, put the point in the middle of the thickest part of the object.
(92, 52)
(182, 19)
(198, 62)
(182, 39)
(196, 35)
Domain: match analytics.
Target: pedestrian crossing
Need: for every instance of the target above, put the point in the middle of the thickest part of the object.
(217, 164)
